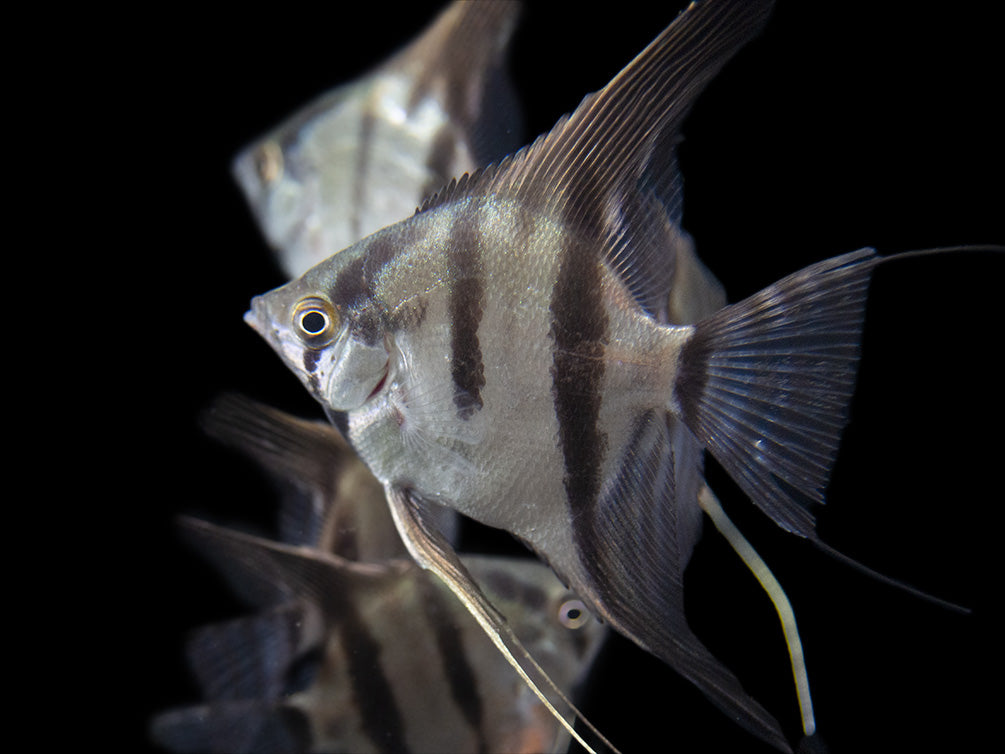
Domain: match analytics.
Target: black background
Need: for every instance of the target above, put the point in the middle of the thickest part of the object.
(844, 125)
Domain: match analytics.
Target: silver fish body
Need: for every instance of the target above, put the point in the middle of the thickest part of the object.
(445, 430)
(366, 154)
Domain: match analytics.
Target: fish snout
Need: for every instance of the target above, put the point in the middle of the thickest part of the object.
(257, 317)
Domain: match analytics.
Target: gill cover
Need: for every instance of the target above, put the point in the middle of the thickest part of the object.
(356, 374)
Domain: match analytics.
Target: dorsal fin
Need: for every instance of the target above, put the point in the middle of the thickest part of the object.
(264, 572)
(609, 169)
(610, 146)
(460, 58)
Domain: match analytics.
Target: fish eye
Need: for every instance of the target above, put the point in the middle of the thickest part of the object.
(268, 162)
(573, 614)
(315, 321)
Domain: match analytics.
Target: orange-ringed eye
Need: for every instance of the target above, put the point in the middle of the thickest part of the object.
(315, 321)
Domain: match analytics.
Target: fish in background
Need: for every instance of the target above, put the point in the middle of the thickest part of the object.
(361, 655)
(366, 154)
(512, 351)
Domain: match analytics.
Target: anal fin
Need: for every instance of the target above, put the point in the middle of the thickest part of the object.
(635, 544)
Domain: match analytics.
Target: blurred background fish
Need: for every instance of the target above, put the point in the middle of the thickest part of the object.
(365, 655)
(366, 154)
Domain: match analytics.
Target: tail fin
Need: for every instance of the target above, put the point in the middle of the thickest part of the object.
(765, 385)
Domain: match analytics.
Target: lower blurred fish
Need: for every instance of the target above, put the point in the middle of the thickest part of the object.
(349, 656)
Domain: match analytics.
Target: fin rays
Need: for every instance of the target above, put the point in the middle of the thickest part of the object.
(617, 148)
(777, 431)
(636, 544)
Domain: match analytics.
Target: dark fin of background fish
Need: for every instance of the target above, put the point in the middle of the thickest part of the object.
(431, 551)
(233, 727)
(267, 572)
(251, 657)
(303, 455)
(241, 575)
(465, 48)
(609, 169)
(328, 583)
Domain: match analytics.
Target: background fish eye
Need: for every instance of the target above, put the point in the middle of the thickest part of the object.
(573, 614)
(315, 321)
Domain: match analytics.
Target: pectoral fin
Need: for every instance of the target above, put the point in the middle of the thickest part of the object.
(432, 552)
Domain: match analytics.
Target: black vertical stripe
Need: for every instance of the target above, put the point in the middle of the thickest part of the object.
(579, 329)
(692, 375)
(380, 717)
(310, 359)
(355, 283)
(467, 291)
(453, 659)
(341, 421)
(354, 288)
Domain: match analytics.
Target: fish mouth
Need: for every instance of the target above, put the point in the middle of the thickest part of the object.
(251, 320)
(380, 383)
(258, 320)
(256, 317)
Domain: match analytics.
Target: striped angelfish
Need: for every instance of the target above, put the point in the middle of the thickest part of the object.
(361, 655)
(515, 351)
(366, 154)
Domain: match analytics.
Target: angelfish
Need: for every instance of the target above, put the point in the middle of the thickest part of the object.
(511, 352)
(366, 657)
(361, 655)
(366, 154)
